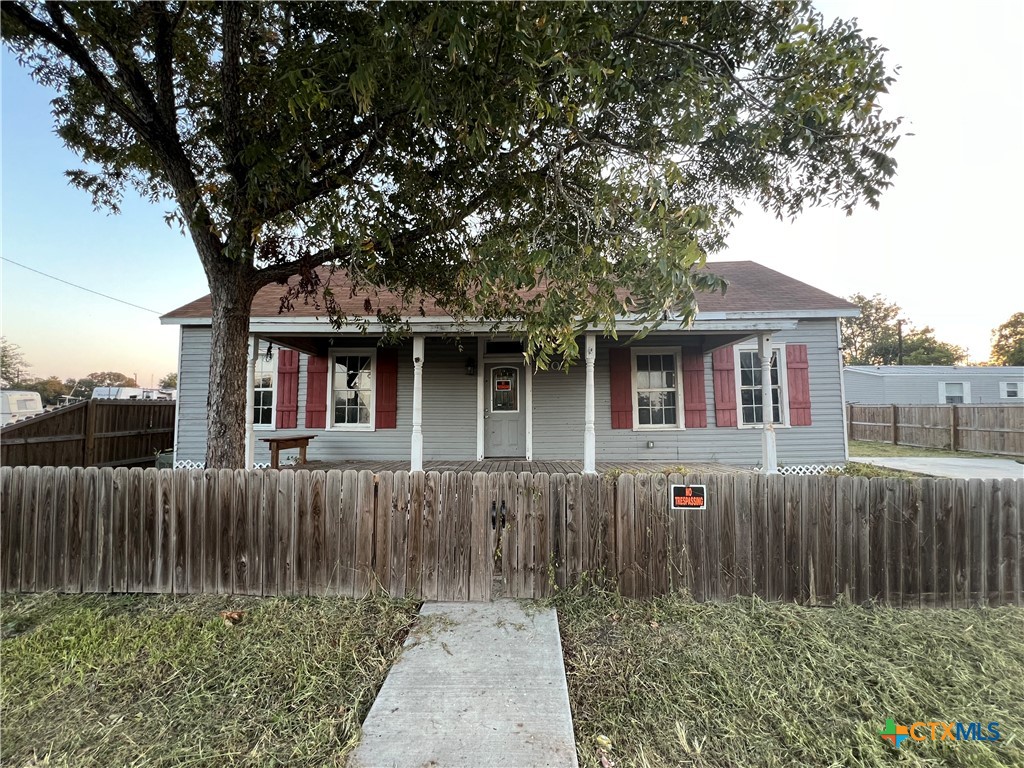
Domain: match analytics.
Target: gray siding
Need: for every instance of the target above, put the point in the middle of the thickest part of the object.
(821, 442)
(193, 386)
(866, 386)
(450, 410)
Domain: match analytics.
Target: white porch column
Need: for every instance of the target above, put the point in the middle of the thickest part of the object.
(589, 437)
(250, 402)
(769, 454)
(417, 404)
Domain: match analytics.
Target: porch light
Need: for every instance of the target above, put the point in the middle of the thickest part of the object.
(470, 366)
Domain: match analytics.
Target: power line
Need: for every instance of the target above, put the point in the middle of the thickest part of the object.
(80, 287)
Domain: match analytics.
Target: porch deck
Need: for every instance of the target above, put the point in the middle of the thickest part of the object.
(518, 465)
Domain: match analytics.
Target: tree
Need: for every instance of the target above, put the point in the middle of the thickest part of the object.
(50, 389)
(462, 151)
(1008, 341)
(170, 381)
(878, 337)
(112, 379)
(12, 365)
(875, 328)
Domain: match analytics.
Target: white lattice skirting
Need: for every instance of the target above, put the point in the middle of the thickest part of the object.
(188, 464)
(810, 469)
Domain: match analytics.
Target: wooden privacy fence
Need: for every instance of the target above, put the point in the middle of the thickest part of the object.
(103, 433)
(983, 428)
(434, 536)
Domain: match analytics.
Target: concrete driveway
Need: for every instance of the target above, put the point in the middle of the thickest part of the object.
(986, 469)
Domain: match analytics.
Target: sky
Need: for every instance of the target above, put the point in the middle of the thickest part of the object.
(941, 246)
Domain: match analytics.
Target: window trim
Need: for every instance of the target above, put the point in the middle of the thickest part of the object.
(680, 409)
(1004, 388)
(273, 391)
(780, 355)
(371, 352)
(943, 394)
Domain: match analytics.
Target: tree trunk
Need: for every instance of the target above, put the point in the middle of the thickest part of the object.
(231, 295)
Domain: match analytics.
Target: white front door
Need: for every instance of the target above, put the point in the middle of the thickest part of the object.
(504, 411)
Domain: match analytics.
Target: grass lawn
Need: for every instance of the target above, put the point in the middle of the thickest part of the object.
(882, 450)
(133, 681)
(675, 683)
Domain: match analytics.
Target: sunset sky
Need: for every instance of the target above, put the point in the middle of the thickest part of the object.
(941, 246)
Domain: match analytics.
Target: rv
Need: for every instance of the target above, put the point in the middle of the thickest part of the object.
(17, 405)
(133, 393)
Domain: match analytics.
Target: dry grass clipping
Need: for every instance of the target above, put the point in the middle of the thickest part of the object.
(155, 681)
(670, 682)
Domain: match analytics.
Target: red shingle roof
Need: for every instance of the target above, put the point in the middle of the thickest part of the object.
(752, 288)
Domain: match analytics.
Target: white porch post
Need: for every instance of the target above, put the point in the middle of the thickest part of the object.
(769, 454)
(417, 404)
(481, 350)
(589, 437)
(250, 401)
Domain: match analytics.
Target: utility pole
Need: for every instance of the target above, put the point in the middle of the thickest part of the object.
(899, 342)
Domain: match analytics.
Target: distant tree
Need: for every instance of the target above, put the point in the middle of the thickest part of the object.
(920, 347)
(112, 379)
(79, 389)
(50, 389)
(876, 328)
(12, 365)
(874, 338)
(170, 381)
(1008, 341)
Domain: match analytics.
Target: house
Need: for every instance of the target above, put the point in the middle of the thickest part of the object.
(933, 384)
(464, 393)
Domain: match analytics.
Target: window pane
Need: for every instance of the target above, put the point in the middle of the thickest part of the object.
(643, 362)
(751, 415)
(670, 378)
(643, 380)
(643, 400)
(645, 415)
(670, 415)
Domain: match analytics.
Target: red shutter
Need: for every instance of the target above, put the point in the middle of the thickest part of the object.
(620, 370)
(316, 393)
(694, 402)
(799, 385)
(287, 388)
(723, 363)
(386, 399)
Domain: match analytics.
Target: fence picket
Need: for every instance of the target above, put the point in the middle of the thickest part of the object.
(382, 534)
(344, 580)
(405, 526)
(364, 577)
(539, 535)
(976, 542)
(480, 556)
(431, 521)
(409, 497)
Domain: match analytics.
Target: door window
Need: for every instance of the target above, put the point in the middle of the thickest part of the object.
(504, 390)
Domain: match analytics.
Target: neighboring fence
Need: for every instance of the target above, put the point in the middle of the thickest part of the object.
(102, 433)
(982, 428)
(434, 536)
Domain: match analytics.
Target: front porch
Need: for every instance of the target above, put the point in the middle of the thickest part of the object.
(566, 467)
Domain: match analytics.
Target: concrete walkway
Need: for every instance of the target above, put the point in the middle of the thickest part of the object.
(986, 469)
(477, 684)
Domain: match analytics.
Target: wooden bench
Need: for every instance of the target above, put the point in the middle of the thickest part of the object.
(278, 444)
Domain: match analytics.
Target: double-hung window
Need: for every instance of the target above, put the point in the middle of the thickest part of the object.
(1010, 390)
(352, 389)
(954, 392)
(263, 391)
(657, 396)
(751, 394)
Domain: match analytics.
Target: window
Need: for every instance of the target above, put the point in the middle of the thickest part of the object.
(1009, 389)
(750, 399)
(352, 376)
(656, 392)
(951, 392)
(263, 391)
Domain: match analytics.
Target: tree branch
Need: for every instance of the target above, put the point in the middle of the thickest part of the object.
(62, 38)
(164, 59)
(231, 98)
